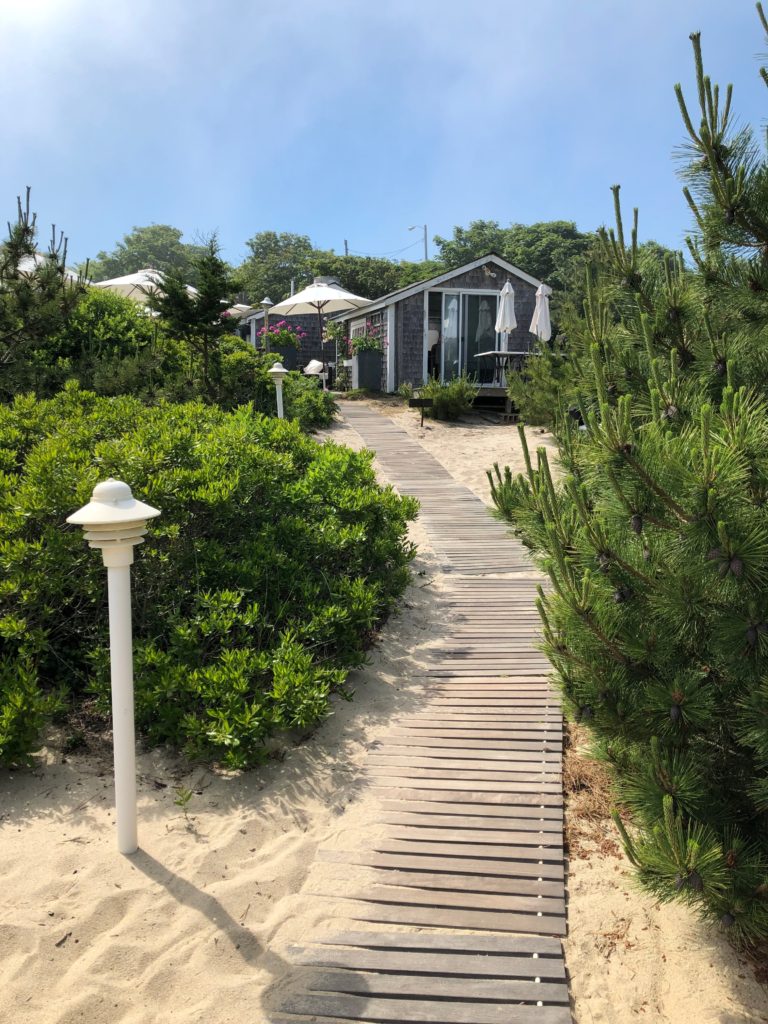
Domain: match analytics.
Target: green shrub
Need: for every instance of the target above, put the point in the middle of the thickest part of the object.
(451, 399)
(242, 376)
(255, 591)
(540, 389)
(24, 708)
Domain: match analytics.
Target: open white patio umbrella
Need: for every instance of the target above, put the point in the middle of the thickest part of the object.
(540, 324)
(138, 286)
(506, 321)
(320, 297)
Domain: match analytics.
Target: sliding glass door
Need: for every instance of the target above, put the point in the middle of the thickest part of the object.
(468, 327)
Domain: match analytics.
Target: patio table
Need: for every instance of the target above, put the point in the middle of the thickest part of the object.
(501, 362)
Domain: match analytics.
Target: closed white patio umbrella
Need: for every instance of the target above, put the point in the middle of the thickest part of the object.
(540, 324)
(506, 321)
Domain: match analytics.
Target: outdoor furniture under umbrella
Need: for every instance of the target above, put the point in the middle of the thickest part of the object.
(540, 324)
(319, 298)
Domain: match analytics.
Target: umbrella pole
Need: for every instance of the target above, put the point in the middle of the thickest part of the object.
(322, 347)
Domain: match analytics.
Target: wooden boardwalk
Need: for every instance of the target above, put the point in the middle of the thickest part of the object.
(468, 872)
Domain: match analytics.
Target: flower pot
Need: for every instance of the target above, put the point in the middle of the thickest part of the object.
(366, 370)
(289, 357)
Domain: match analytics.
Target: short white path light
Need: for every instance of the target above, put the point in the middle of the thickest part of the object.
(278, 373)
(115, 522)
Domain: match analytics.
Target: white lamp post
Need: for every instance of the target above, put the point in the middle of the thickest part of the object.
(114, 521)
(278, 373)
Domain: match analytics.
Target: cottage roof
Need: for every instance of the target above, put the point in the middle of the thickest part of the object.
(433, 282)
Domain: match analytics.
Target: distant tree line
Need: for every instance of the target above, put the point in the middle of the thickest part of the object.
(553, 251)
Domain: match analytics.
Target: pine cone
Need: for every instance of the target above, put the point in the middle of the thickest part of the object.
(751, 634)
(736, 566)
(675, 713)
(622, 594)
(695, 881)
(720, 367)
(636, 522)
(727, 920)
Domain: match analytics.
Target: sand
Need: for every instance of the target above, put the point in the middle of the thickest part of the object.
(194, 928)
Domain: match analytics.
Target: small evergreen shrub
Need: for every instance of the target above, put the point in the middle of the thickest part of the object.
(451, 399)
(538, 390)
(254, 593)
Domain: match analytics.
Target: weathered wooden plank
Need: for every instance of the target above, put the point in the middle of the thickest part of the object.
(445, 785)
(516, 768)
(468, 743)
(545, 853)
(457, 882)
(488, 837)
(492, 945)
(502, 810)
(481, 753)
(476, 799)
(470, 822)
(416, 1011)
(484, 989)
(549, 782)
(444, 963)
(437, 862)
(400, 895)
(454, 917)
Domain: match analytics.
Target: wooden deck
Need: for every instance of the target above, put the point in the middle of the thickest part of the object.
(468, 874)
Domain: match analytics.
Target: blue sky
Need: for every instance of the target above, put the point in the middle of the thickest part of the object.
(352, 118)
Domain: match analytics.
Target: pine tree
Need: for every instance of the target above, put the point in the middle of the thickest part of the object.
(656, 539)
(198, 316)
(37, 294)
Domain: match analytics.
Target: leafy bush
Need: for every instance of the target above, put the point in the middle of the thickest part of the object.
(255, 591)
(244, 377)
(451, 399)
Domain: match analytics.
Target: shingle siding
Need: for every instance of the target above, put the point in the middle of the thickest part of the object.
(520, 340)
(409, 344)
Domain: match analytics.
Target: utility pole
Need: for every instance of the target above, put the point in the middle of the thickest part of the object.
(346, 247)
(424, 229)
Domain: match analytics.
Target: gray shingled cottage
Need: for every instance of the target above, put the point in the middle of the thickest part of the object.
(437, 327)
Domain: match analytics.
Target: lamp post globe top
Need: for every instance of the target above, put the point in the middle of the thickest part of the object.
(278, 372)
(266, 302)
(112, 505)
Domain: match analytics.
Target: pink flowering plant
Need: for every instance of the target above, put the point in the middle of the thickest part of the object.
(368, 341)
(282, 335)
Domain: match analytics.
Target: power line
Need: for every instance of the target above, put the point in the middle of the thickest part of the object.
(378, 255)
